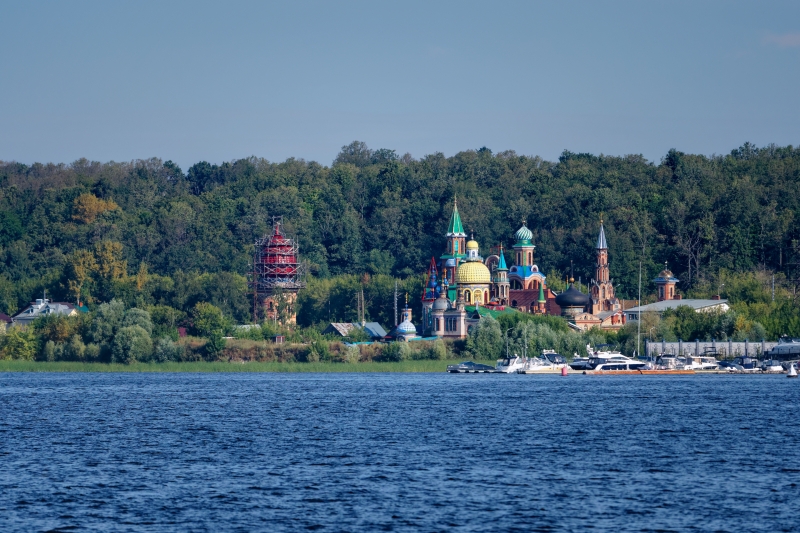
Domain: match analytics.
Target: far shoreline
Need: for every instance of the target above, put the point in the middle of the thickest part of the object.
(421, 366)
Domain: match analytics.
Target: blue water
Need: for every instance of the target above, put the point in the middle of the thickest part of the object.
(391, 452)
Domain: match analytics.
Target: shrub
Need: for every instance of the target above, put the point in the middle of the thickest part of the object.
(215, 345)
(74, 350)
(395, 351)
(166, 350)
(18, 343)
(92, 352)
(131, 344)
(352, 354)
(207, 318)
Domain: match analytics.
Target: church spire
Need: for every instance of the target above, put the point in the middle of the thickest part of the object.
(501, 265)
(601, 239)
(455, 229)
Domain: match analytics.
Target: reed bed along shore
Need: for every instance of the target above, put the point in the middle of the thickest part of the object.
(222, 366)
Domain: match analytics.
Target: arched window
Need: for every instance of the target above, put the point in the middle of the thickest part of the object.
(468, 296)
(603, 291)
(485, 296)
(530, 258)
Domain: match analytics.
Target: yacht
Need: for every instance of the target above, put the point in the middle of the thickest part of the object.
(607, 361)
(671, 362)
(748, 364)
(579, 363)
(788, 349)
(548, 362)
(509, 365)
(468, 367)
(772, 365)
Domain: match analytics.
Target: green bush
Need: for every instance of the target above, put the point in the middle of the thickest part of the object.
(166, 350)
(395, 351)
(18, 343)
(74, 350)
(216, 343)
(131, 344)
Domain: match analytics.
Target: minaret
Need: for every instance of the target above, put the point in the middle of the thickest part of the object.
(542, 302)
(524, 247)
(406, 312)
(501, 283)
(456, 242)
(602, 291)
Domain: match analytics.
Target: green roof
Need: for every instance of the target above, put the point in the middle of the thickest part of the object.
(483, 311)
(455, 227)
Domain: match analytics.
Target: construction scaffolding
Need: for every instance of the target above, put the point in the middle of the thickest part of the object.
(277, 273)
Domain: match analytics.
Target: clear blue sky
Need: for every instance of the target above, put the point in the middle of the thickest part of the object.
(192, 81)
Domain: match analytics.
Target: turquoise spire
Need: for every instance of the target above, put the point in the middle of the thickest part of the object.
(502, 264)
(455, 229)
(541, 293)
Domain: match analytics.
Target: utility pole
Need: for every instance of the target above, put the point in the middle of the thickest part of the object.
(395, 303)
(639, 306)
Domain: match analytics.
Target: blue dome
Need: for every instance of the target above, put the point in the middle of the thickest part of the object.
(523, 234)
(406, 327)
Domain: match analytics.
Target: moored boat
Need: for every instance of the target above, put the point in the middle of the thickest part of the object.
(469, 367)
(509, 365)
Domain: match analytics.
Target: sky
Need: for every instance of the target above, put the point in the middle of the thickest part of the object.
(218, 81)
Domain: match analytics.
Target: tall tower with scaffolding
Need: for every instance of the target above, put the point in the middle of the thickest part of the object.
(277, 276)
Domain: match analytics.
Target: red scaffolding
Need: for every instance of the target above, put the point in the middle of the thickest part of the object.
(276, 266)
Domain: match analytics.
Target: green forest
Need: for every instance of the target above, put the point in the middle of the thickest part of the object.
(150, 235)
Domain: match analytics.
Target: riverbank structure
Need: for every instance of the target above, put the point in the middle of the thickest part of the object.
(276, 277)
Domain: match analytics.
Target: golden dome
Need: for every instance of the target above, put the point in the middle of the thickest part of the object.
(472, 245)
(473, 272)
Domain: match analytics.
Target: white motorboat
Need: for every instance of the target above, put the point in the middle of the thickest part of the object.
(671, 362)
(610, 361)
(509, 365)
(548, 362)
(772, 366)
(702, 362)
(579, 363)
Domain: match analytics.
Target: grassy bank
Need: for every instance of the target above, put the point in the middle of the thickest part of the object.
(403, 366)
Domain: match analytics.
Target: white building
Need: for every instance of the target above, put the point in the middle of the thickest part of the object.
(699, 306)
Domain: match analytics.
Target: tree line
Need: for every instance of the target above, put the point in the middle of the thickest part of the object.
(146, 233)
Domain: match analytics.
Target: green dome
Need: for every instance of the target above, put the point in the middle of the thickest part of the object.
(523, 234)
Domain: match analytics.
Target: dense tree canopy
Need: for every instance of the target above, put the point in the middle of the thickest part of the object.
(149, 234)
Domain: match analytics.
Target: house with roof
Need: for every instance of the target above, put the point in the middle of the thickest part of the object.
(44, 307)
(668, 298)
(699, 306)
(374, 330)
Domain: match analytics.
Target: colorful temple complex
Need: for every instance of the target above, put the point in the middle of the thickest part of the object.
(462, 286)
